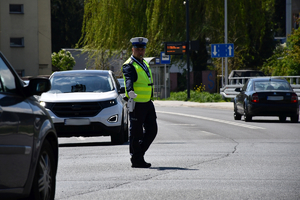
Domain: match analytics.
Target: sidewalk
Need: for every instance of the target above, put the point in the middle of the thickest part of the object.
(217, 105)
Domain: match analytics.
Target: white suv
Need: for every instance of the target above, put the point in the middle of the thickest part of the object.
(87, 103)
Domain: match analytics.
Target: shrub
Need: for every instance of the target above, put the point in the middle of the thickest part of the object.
(63, 60)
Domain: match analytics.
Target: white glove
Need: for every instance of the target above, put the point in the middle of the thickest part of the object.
(132, 94)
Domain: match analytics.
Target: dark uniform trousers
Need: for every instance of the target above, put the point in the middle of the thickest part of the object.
(143, 129)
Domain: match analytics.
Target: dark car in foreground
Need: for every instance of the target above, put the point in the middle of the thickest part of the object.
(266, 97)
(28, 140)
(87, 103)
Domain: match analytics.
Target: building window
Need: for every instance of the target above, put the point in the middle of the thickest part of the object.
(17, 42)
(16, 8)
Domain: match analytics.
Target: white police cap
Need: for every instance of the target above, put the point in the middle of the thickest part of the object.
(139, 41)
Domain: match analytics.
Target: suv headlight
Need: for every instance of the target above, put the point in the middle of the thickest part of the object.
(109, 103)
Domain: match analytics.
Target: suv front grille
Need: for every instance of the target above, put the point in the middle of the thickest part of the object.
(86, 109)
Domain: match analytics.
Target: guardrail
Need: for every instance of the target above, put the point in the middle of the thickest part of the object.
(238, 82)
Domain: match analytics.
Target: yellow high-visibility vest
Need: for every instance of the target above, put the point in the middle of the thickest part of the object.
(143, 86)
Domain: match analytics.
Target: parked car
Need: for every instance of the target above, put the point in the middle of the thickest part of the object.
(28, 141)
(266, 97)
(87, 103)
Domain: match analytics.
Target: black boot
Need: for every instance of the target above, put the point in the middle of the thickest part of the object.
(139, 163)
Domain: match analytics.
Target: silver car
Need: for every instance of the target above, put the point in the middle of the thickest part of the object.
(87, 103)
(28, 141)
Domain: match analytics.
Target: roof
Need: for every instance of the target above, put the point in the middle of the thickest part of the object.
(268, 79)
(82, 72)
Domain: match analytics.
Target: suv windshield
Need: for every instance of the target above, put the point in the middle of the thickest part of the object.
(81, 83)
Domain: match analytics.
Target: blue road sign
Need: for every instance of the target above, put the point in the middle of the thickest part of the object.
(222, 50)
(165, 59)
(157, 61)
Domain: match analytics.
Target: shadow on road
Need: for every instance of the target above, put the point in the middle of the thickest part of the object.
(171, 168)
(81, 144)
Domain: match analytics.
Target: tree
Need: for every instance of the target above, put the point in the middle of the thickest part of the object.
(63, 60)
(279, 18)
(286, 60)
(109, 25)
(249, 28)
(66, 22)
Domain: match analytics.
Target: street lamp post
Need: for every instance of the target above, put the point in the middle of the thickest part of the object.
(187, 48)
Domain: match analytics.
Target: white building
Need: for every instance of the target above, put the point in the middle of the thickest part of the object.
(25, 35)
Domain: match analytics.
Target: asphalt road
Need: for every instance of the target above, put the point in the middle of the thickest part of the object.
(200, 153)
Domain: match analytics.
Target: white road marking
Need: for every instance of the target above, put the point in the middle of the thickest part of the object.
(215, 120)
(179, 124)
(208, 133)
(80, 138)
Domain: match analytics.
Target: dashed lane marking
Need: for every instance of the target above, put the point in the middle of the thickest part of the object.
(215, 120)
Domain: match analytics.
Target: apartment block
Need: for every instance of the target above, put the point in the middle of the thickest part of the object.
(25, 35)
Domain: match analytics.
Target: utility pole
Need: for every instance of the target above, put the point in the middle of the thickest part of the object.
(288, 18)
(226, 41)
(187, 48)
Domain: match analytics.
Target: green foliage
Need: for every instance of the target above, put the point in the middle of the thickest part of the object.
(196, 96)
(109, 25)
(63, 60)
(66, 23)
(200, 88)
(249, 28)
(286, 60)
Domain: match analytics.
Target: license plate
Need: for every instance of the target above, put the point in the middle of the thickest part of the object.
(77, 122)
(275, 98)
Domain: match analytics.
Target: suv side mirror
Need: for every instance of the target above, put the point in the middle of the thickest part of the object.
(37, 86)
(122, 90)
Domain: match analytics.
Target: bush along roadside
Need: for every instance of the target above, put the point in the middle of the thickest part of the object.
(196, 96)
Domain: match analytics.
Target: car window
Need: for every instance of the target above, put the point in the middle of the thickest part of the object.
(7, 79)
(111, 84)
(249, 87)
(116, 81)
(271, 85)
(80, 83)
(253, 74)
(245, 86)
(237, 74)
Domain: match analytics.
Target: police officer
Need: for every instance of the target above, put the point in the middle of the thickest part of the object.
(139, 89)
